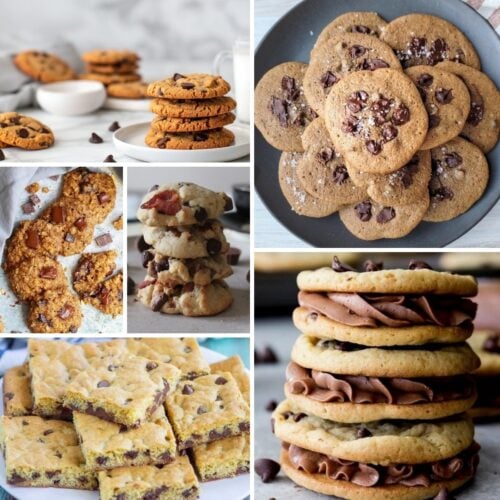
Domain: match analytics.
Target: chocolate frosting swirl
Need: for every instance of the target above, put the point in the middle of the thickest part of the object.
(462, 465)
(329, 388)
(372, 310)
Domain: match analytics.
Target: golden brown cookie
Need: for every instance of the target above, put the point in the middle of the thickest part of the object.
(108, 296)
(194, 108)
(191, 86)
(109, 79)
(167, 124)
(24, 132)
(217, 138)
(91, 270)
(43, 67)
(131, 90)
(110, 56)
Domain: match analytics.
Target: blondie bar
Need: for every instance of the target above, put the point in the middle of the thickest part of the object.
(17, 400)
(236, 368)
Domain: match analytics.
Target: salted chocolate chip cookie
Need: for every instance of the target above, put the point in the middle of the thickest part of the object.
(110, 56)
(376, 119)
(446, 100)
(91, 270)
(405, 186)
(460, 175)
(56, 311)
(24, 132)
(192, 86)
(299, 199)
(343, 53)
(369, 220)
(131, 90)
(364, 23)
(322, 172)
(182, 203)
(424, 39)
(281, 109)
(168, 124)
(44, 67)
(483, 122)
(208, 139)
(192, 108)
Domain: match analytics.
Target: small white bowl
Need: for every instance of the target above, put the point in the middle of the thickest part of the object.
(72, 97)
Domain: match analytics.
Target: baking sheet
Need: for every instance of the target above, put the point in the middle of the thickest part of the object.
(13, 312)
(280, 334)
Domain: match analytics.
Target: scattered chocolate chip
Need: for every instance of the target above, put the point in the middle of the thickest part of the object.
(266, 469)
(103, 383)
(272, 405)
(28, 207)
(434, 121)
(34, 199)
(444, 96)
(220, 381)
(363, 432)
(187, 389)
(340, 174)
(401, 115)
(103, 239)
(328, 79)
(267, 356)
(95, 139)
(452, 160)
(418, 264)
(213, 246)
(130, 286)
(425, 80)
(109, 159)
(42, 318)
(48, 432)
(114, 126)
(48, 273)
(147, 257)
(364, 211)
(233, 256)
(370, 266)
(2, 155)
(201, 410)
(373, 147)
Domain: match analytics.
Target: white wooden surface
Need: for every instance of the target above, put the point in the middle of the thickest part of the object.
(270, 233)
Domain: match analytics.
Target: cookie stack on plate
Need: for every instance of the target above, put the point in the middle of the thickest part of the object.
(191, 112)
(379, 382)
(184, 251)
(111, 66)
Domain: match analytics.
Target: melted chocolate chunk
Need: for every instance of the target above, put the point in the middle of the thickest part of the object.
(290, 90)
(452, 160)
(373, 64)
(329, 79)
(373, 147)
(325, 155)
(434, 121)
(364, 211)
(476, 114)
(401, 115)
(425, 80)
(357, 51)
(279, 108)
(386, 215)
(340, 174)
(351, 125)
(389, 132)
(443, 96)
(441, 193)
(363, 432)
(359, 28)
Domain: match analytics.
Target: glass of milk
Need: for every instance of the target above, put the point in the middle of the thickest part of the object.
(240, 55)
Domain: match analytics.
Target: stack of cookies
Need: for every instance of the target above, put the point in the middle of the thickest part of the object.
(66, 406)
(379, 382)
(185, 250)
(111, 66)
(192, 111)
(388, 124)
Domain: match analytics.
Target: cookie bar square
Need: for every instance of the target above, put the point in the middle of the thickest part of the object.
(125, 389)
(44, 453)
(17, 400)
(236, 368)
(223, 458)
(167, 482)
(184, 353)
(206, 409)
(106, 445)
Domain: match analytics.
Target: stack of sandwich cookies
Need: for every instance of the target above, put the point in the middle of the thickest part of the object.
(381, 370)
(191, 112)
(186, 263)
(111, 66)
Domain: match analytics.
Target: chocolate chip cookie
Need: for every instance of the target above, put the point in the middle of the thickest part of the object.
(44, 67)
(341, 54)
(376, 119)
(131, 90)
(24, 132)
(112, 78)
(123, 67)
(192, 86)
(446, 100)
(109, 56)
(208, 139)
(281, 109)
(167, 124)
(459, 177)
(424, 39)
(196, 108)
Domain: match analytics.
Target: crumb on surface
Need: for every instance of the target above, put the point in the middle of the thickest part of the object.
(33, 188)
(45, 189)
(118, 223)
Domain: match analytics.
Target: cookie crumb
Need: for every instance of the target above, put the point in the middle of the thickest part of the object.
(33, 188)
(118, 223)
(45, 189)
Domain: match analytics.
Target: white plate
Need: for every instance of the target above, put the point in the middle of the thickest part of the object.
(235, 488)
(130, 141)
(127, 104)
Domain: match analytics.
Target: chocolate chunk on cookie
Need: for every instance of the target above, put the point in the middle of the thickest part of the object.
(196, 108)
(168, 124)
(92, 269)
(207, 139)
(24, 132)
(44, 67)
(191, 86)
(108, 295)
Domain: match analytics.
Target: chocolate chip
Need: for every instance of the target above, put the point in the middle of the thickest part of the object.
(266, 469)
(354, 104)
(357, 51)
(371, 266)
(200, 215)
(476, 114)
(350, 125)
(213, 246)
(2, 155)
(131, 454)
(201, 410)
(443, 96)
(66, 311)
(441, 193)
(416, 45)
(200, 137)
(359, 28)
(339, 267)
(142, 246)
(28, 208)
(364, 211)
(267, 356)
(363, 432)
(221, 381)
(386, 215)
(34, 199)
(114, 126)
(328, 79)
(418, 264)
(23, 133)
(109, 159)
(48, 432)
(325, 155)
(159, 301)
(103, 383)
(32, 239)
(130, 286)
(187, 85)
(434, 121)
(103, 239)
(244, 426)
(7, 396)
(492, 344)
(187, 389)
(58, 214)
(147, 257)
(271, 406)
(177, 76)
(373, 64)
(95, 139)
(162, 143)
(340, 174)
(80, 223)
(43, 319)
(290, 89)
(233, 256)
(101, 460)
(425, 80)
(401, 115)
(162, 265)
(48, 272)
(389, 132)
(452, 160)
(373, 147)
(279, 108)
(151, 366)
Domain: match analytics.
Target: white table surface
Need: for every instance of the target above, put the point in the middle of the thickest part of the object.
(270, 233)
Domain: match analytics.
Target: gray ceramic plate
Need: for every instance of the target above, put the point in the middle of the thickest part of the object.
(291, 39)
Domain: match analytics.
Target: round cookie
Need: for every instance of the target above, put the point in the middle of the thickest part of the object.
(322, 172)
(425, 39)
(24, 132)
(483, 123)
(348, 489)
(486, 345)
(167, 124)
(292, 262)
(365, 23)
(109, 69)
(376, 119)
(441, 361)
(300, 201)
(446, 100)
(56, 311)
(108, 297)
(109, 79)
(131, 90)
(187, 242)
(193, 86)
(188, 300)
(34, 276)
(405, 186)
(281, 109)
(44, 67)
(182, 203)
(385, 443)
(369, 220)
(460, 175)
(217, 138)
(109, 56)
(182, 108)
(342, 54)
(318, 325)
(32, 238)
(388, 281)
